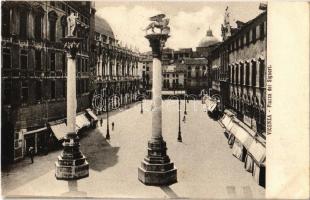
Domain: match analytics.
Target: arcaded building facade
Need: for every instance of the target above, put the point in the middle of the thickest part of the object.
(116, 67)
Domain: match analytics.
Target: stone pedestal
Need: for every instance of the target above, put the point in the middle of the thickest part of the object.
(156, 168)
(71, 164)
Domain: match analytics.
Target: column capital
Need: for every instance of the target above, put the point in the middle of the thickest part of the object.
(72, 45)
(157, 43)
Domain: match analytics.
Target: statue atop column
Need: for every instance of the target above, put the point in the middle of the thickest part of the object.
(71, 23)
(226, 29)
(156, 168)
(159, 22)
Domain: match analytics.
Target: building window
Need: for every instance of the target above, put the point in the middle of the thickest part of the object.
(237, 44)
(241, 41)
(63, 62)
(7, 92)
(237, 74)
(262, 30)
(38, 26)
(233, 74)
(85, 65)
(52, 31)
(53, 61)
(254, 34)
(38, 90)
(64, 88)
(87, 85)
(24, 88)
(78, 86)
(6, 58)
(253, 73)
(23, 59)
(53, 89)
(23, 23)
(261, 73)
(6, 21)
(247, 73)
(241, 74)
(52, 16)
(79, 64)
(247, 39)
(38, 59)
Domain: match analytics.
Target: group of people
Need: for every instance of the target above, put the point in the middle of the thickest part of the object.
(101, 122)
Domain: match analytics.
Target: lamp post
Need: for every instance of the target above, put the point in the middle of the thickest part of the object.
(179, 132)
(185, 112)
(141, 111)
(107, 107)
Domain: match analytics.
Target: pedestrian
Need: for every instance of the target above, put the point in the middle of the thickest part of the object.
(101, 122)
(112, 126)
(31, 153)
(184, 118)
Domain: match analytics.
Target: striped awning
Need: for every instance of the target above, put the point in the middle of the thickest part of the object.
(90, 112)
(242, 135)
(82, 121)
(227, 122)
(59, 130)
(258, 152)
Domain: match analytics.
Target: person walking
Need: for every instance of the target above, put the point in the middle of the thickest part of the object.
(112, 126)
(31, 153)
(184, 118)
(101, 122)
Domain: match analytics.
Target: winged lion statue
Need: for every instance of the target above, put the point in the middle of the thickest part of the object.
(159, 21)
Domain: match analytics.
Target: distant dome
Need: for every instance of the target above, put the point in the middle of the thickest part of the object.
(208, 40)
(103, 27)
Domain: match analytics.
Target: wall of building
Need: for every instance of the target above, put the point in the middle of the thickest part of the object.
(34, 64)
(238, 68)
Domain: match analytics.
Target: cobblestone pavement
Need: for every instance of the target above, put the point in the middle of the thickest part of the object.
(206, 167)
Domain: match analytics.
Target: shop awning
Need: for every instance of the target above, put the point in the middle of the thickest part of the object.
(227, 122)
(258, 152)
(35, 131)
(211, 106)
(59, 130)
(90, 112)
(82, 121)
(242, 135)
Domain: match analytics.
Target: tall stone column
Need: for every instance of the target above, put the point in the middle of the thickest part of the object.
(71, 164)
(156, 168)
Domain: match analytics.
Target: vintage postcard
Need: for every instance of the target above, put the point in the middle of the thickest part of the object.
(154, 99)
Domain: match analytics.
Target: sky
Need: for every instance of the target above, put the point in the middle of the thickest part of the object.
(189, 21)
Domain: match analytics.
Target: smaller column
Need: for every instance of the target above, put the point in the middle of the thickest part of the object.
(71, 164)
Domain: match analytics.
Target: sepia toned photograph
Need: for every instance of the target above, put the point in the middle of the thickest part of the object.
(134, 99)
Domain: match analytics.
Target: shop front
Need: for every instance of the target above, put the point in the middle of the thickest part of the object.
(246, 145)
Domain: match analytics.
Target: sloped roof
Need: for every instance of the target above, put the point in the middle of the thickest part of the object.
(195, 61)
(103, 27)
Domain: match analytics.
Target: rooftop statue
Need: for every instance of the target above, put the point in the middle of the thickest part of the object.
(159, 21)
(225, 28)
(71, 23)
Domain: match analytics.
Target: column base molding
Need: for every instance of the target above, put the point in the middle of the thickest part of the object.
(156, 168)
(71, 164)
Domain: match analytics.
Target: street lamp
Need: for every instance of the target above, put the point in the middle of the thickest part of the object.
(141, 111)
(179, 132)
(107, 107)
(185, 112)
